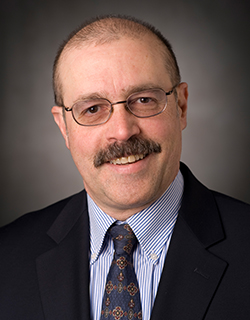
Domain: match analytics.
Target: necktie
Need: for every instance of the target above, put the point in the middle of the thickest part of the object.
(122, 297)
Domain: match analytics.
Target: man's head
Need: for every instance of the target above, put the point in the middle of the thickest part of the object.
(129, 161)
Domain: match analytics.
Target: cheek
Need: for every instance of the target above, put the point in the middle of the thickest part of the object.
(83, 145)
(168, 134)
(161, 129)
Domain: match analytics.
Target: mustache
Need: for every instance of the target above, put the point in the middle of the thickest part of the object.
(133, 146)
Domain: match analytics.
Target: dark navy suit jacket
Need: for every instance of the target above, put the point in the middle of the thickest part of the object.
(44, 261)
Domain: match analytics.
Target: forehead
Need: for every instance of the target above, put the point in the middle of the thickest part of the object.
(113, 67)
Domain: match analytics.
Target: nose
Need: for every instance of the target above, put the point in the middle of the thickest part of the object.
(123, 124)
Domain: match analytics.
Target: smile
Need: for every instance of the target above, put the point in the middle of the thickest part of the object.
(129, 159)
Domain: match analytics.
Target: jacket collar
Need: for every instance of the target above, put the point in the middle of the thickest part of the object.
(63, 272)
(200, 210)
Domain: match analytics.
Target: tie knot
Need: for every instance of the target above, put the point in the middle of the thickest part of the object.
(124, 239)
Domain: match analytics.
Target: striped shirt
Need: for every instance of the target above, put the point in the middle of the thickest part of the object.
(153, 228)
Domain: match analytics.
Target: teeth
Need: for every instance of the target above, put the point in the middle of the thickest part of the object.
(131, 159)
(126, 160)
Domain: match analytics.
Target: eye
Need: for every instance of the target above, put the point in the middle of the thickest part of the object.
(93, 109)
(141, 100)
(144, 100)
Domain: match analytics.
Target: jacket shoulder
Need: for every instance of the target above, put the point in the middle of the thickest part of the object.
(231, 204)
(234, 213)
(36, 222)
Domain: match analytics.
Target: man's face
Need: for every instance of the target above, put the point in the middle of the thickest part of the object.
(114, 71)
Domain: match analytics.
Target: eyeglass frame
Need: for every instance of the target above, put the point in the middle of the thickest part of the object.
(68, 109)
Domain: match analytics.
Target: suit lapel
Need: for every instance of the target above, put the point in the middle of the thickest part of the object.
(189, 279)
(63, 272)
(191, 273)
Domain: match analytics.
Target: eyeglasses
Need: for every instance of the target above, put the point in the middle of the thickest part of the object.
(143, 104)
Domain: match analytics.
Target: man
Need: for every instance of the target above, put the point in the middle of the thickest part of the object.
(121, 109)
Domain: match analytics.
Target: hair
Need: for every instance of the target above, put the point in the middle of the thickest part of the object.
(105, 29)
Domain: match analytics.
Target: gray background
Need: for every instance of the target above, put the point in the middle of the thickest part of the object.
(211, 41)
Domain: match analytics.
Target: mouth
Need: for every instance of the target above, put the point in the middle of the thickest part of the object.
(131, 151)
(127, 160)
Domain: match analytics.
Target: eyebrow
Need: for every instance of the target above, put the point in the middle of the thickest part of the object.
(104, 95)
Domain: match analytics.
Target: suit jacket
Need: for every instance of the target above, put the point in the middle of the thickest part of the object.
(44, 261)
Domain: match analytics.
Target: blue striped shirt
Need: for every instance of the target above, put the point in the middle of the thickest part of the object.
(153, 228)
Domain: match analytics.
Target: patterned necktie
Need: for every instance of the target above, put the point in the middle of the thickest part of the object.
(122, 297)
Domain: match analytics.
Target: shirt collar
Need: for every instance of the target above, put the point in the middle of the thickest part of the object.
(152, 226)
(99, 225)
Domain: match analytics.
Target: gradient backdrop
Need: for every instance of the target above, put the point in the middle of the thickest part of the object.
(212, 43)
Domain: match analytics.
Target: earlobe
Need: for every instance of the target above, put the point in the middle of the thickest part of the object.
(182, 103)
(60, 121)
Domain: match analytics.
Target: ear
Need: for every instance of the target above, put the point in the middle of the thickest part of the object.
(182, 91)
(61, 122)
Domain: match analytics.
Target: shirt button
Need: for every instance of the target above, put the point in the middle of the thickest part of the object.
(93, 256)
(153, 256)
